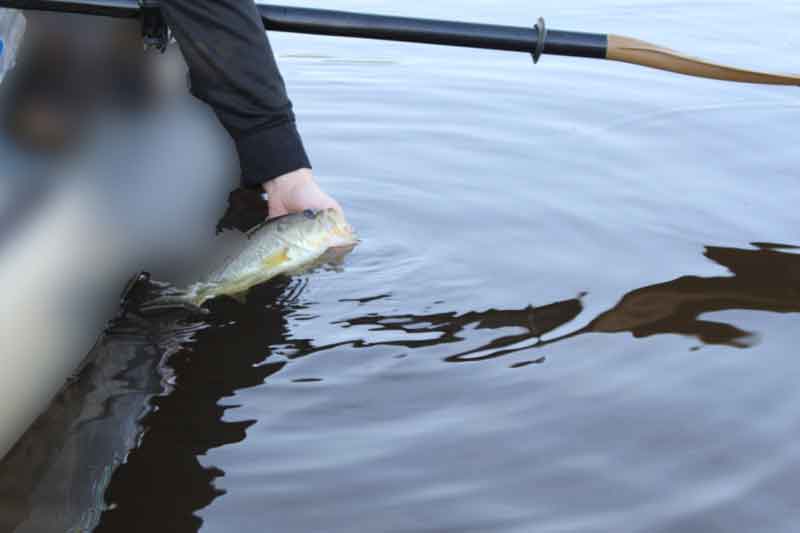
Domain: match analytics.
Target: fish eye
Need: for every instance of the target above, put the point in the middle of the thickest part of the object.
(310, 213)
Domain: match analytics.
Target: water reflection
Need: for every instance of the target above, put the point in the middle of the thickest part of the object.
(765, 279)
(129, 431)
(54, 477)
(452, 328)
(162, 484)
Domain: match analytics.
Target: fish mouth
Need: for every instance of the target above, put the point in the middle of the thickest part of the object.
(339, 232)
(343, 236)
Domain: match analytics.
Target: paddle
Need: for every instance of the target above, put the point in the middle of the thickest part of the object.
(536, 40)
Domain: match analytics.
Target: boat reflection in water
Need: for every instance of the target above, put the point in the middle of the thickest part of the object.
(53, 479)
(119, 449)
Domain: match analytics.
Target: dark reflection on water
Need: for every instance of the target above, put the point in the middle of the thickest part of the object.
(53, 479)
(535, 321)
(225, 357)
(162, 483)
(763, 280)
(126, 413)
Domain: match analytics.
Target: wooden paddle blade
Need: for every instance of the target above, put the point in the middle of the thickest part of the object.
(646, 54)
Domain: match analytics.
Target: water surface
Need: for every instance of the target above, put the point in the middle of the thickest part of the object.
(574, 307)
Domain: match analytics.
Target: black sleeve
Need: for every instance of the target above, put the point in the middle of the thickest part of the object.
(232, 68)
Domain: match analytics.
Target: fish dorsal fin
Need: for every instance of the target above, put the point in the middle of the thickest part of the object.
(255, 229)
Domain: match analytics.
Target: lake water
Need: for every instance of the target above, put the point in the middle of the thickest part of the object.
(574, 307)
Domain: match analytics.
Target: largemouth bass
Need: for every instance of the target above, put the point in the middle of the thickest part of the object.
(284, 245)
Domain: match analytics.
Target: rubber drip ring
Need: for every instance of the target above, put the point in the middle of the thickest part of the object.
(541, 29)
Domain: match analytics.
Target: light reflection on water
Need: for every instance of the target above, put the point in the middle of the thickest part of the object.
(576, 233)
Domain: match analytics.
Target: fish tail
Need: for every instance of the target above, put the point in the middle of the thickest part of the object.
(183, 301)
(144, 296)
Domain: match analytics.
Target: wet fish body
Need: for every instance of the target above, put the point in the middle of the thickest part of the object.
(283, 245)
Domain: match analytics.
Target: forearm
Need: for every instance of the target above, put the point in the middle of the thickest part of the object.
(233, 69)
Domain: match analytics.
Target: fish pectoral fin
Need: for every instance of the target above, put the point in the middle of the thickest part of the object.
(277, 259)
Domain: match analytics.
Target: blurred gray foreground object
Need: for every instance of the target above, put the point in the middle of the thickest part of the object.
(140, 193)
(12, 30)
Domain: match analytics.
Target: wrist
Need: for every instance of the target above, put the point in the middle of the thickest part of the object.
(287, 182)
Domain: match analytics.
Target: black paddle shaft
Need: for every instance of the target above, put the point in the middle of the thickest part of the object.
(533, 40)
(487, 36)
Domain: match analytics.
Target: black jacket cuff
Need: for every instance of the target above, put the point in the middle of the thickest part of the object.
(270, 152)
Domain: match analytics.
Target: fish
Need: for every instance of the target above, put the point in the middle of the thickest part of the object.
(284, 245)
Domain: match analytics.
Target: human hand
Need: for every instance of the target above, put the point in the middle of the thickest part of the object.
(296, 191)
